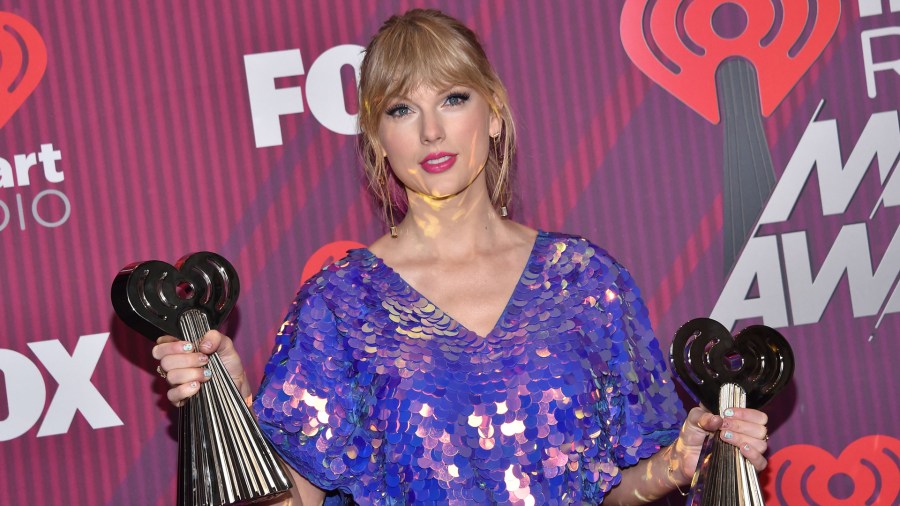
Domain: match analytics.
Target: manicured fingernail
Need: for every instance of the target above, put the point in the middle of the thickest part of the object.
(207, 373)
(729, 412)
(187, 347)
(193, 384)
(746, 447)
(728, 435)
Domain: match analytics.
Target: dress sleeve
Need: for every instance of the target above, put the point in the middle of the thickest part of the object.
(644, 409)
(313, 405)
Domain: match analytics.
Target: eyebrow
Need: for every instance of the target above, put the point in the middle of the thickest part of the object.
(440, 91)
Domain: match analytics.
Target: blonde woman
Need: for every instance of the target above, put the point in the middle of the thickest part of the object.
(464, 358)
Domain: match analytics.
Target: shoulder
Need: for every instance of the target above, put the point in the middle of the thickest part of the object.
(340, 282)
(570, 245)
(585, 257)
(337, 292)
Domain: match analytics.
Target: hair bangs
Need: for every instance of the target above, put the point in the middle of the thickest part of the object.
(416, 55)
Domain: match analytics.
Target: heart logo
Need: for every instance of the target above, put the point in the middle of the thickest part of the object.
(866, 472)
(151, 296)
(678, 47)
(705, 356)
(23, 60)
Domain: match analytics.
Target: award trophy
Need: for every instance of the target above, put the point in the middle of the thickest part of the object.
(222, 455)
(723, 372)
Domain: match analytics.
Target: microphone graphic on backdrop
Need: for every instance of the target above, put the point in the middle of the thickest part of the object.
(731, 77)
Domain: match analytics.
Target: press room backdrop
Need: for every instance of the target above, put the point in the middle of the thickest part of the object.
(766, 191)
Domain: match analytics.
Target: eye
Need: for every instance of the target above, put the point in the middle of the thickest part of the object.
(457, 98)
(398, 110)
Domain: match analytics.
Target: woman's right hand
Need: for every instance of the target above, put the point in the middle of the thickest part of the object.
(186, 368)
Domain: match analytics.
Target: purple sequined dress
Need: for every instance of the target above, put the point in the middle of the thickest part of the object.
(374, 392)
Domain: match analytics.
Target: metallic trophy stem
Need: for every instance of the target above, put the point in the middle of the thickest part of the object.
(223, 456)
(724, 477)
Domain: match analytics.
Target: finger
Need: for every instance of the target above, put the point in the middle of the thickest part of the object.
(171, 348)
(171, 363)
(755, 456)
(697, 426)
(744, 441)
(223, 346)
(214, 341)
(750, 415)
(709, 422)
(165, 339)
(177, 377)
(695, 415)
(753, 430)
(179, 394)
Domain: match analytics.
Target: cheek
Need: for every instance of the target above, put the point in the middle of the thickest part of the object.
(391, 145)
(400, 155)
(474, 138)
(479, 144)
(399, 138)
(480, 150)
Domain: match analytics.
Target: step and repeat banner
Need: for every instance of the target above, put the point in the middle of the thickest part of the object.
(739, 156)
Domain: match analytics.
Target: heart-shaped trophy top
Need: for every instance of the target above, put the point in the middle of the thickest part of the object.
(151, 296)
(705, 356)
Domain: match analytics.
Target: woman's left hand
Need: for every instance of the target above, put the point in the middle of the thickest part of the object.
(741, 427)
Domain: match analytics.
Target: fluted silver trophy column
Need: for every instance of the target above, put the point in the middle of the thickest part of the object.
(724, 371)
(223, 457)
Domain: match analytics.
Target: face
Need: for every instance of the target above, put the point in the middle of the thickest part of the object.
(436, 140)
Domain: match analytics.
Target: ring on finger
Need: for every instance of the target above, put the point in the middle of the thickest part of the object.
(161, 372)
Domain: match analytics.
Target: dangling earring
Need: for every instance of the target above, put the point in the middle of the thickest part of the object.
(504, 212)
(393, 228)
(390, 207)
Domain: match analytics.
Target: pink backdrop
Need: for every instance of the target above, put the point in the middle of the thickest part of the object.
(153, 131)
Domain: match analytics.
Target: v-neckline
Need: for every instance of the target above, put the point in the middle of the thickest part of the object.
(519, 282)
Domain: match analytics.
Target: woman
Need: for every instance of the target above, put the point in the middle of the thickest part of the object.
(464, 358)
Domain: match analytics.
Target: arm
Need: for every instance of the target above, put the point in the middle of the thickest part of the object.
(184, 371)
(654, 413)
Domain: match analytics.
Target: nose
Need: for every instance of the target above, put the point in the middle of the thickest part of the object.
(432, 128)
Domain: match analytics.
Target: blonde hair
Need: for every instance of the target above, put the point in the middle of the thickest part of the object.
(428, 47)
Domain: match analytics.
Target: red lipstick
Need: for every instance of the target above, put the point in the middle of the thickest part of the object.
(435, 163)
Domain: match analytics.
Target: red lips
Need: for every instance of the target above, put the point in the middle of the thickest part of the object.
(435, 163)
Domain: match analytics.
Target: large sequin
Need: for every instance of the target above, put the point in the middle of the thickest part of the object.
(374, 392)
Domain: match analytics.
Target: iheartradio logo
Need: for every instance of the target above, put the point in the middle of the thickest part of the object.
(866, 472)
(731, 61)
(676, 43)
(23, 60)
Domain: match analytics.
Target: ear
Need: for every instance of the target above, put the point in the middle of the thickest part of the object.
(495, 127)
(496, 124)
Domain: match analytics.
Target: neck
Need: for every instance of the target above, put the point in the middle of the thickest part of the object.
(457, 225)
